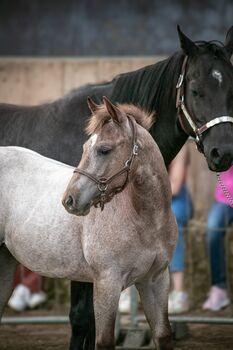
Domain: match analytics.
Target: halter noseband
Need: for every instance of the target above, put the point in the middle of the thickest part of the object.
(102, 182)
(183, 112)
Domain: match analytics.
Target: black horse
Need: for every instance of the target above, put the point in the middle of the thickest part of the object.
(191, 93)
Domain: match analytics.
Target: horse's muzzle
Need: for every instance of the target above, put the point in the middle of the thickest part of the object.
(220, 159)
(73, 207)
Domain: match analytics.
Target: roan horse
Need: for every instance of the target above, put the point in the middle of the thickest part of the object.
(113, 253)
(205, 86)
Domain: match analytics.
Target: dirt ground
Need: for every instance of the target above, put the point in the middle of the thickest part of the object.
(38, 337)
(51, 337)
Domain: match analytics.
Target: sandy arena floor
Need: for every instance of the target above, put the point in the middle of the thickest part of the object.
(51, 337)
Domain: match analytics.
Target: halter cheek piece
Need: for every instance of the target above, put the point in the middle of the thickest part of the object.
(183, 112)
(102, 182)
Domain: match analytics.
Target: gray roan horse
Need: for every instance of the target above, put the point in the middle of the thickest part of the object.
(130, 242)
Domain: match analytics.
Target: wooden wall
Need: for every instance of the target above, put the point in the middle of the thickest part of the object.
(31, 81)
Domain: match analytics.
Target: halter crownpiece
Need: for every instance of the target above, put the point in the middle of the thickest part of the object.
(183, 112)
(102, 182)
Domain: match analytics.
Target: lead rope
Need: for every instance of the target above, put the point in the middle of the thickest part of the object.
(225, 190)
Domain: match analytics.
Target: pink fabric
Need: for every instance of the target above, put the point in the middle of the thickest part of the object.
(227, 179)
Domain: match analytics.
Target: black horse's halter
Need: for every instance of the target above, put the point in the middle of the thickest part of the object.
(183, 113)
(102, 182)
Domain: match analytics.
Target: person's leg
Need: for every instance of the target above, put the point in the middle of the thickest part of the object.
(182, 209)
(21, 294)
(219, 217)
(32, 280)
(177, 280)
(28, 290)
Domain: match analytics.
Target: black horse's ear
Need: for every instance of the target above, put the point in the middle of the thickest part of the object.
(92, 105)
(229, 42)
(113, 110)
(187, 45)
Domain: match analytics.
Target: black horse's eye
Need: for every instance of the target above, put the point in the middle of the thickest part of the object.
(195, 89)
(194, 93)
(103, 150)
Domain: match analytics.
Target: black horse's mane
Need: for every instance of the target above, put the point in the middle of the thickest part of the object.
(150, 87)
(153, 87)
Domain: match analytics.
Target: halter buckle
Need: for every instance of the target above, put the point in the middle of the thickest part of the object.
(127, 163)
(199, 143)
(135, 149)
(102, 185)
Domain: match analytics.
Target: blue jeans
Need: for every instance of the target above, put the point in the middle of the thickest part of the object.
(182, 209)
(220, 216)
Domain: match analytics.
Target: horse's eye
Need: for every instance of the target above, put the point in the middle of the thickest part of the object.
(194, 93)
(103, 150)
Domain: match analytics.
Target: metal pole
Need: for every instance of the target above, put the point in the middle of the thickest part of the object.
(196, 319)
(133, 305)
(35, 320)
(65, 320)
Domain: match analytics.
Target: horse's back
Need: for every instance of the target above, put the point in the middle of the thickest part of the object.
(27, 178)
(11, 157)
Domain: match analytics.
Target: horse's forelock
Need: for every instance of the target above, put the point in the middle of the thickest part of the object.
(213, 47)
(97, 120)
(101, 116)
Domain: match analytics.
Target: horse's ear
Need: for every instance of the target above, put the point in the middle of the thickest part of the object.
(92, 105)
(187, 45)
(113, 110)
(229, 42)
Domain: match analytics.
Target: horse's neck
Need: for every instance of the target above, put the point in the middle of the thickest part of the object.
(166, 130)
(149, 191)
(154, 89)
(168, 136)
(73, 107)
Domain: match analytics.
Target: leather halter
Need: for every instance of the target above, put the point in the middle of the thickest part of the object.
(103, 182)
(183, 113)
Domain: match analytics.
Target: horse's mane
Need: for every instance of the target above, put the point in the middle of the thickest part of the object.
(153, 87)
(150, 87)
(101, 116)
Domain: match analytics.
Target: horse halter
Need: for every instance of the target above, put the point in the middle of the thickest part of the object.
(183, 112)
(102, 182)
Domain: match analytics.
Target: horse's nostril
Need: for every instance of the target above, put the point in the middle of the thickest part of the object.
(69, 201)
(215, 154)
